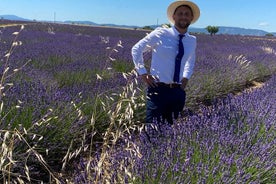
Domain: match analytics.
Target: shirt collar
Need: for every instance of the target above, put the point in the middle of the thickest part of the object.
(177, 32)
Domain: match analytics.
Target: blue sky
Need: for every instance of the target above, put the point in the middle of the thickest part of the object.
(237, 13)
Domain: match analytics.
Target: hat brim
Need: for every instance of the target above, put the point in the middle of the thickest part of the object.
(174, 5)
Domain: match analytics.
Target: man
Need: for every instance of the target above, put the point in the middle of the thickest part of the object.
(173, 58)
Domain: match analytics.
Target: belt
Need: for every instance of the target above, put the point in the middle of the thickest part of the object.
(171, 85)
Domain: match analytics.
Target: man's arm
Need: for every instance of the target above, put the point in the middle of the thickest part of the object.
(147, 43)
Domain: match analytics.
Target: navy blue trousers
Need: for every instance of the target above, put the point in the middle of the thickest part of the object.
(164, 104)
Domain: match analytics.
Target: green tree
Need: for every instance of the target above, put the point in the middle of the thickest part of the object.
(269, 34)
(212, 29)
(147, 28)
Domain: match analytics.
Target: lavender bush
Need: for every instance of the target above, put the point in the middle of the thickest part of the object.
(227, 64)
(232, 141)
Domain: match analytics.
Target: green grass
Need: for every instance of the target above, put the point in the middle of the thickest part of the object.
(122, 66)
(51, 63)
(16, 118)
(71, 78)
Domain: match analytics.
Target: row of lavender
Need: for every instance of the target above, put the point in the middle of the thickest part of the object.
(229, 63)
(232, 141)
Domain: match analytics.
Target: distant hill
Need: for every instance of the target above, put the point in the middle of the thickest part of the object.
(13, 17)
(233, 31)
(95, 24)
(222, 29)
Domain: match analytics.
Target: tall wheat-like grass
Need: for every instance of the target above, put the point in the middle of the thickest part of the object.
(120, 122)
(18, 145)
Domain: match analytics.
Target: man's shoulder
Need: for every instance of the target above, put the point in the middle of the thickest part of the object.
(190, 37)
(162, 29)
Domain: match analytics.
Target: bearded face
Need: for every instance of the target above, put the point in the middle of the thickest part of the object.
(183, 17)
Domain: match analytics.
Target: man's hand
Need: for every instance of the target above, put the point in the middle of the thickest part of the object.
(184, 83)
(149, 80)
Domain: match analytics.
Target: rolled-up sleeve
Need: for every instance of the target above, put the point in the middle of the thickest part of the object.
(137, 55)
(145, 44)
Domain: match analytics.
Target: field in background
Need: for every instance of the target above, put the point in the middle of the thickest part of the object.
(63, 101)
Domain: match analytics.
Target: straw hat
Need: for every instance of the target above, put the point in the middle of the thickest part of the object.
(174, 5)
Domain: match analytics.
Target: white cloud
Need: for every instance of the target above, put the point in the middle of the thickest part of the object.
(264, 24)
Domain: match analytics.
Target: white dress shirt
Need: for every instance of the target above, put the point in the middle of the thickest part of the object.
(163, 43)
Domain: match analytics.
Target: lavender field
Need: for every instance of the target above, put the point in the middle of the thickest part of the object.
(72, 110)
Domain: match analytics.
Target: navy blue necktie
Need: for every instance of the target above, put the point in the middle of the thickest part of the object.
(178, 59)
